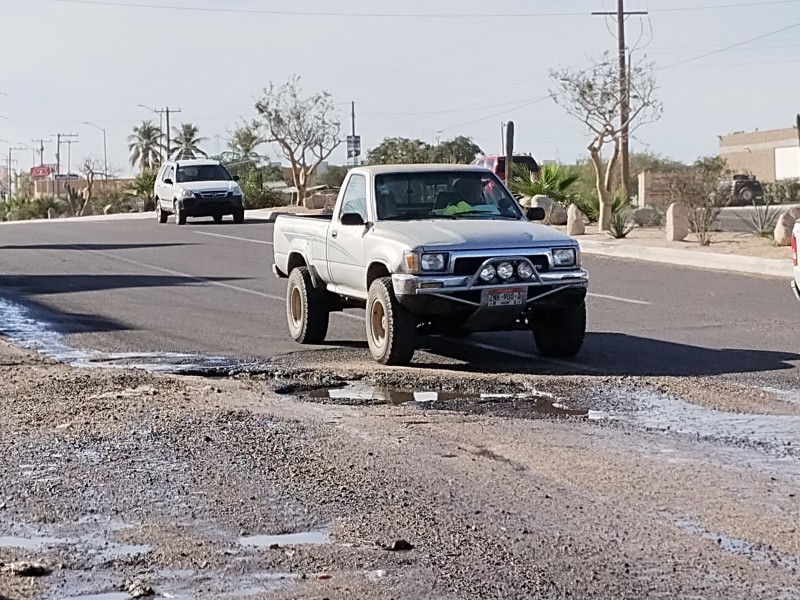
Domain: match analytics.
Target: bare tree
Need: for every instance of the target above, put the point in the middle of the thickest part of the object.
(305, 129)
(593, 97)
(700, 191)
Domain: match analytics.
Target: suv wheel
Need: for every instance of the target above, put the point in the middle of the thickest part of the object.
(180, 215)
(391, 329)
(238, 215)
(747, 194)
(217, 218)
(160, 214)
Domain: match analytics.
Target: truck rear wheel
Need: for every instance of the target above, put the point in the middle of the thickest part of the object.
(559, 333)
(391, 329)
(307, 310)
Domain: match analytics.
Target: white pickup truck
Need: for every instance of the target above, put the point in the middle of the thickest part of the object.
(795, 261)
(431, 249)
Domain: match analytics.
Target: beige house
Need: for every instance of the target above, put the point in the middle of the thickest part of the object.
(769, 155)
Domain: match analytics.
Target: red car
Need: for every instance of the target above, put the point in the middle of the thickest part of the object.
(497, 164)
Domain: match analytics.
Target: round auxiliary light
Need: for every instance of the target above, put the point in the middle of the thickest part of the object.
(505, 270)
(487, 273)
(525, 270)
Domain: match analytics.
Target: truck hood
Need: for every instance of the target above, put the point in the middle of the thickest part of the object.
(449, 235)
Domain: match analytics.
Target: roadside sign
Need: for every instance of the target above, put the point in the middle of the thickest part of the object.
(353, 146)
(42, 171)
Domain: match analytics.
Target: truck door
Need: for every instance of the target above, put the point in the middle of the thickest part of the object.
(346, 242)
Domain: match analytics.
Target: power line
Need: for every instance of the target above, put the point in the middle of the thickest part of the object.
(492, 116)
(731, 46)
(448, 16)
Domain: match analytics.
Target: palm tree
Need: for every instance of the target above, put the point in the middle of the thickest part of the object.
(244, 141)
(145, 146)
(553, 181)
(187, 141)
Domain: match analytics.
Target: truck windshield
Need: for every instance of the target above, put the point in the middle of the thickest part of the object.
(443, 195)
(192, 174)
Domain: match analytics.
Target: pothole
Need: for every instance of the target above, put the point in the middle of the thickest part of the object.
(305, 538)
(519, 404)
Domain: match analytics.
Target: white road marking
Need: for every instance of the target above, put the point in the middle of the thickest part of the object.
(233, 237)
(618, 299)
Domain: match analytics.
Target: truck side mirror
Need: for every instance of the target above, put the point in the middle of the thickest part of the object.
(536, 213)
(352, 219)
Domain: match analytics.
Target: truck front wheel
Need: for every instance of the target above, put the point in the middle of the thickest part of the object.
(559, 333)
(391, 329)
(307, 310)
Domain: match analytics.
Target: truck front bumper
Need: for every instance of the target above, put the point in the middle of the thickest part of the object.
(468, 291)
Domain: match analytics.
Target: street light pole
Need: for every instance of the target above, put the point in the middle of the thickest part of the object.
(105, 149)
(10, 150)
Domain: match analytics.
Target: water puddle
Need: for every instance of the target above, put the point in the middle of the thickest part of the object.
(36, 331)
(776, 435)
(35, 543)
(738, 547)
(290, 539)
(108, 596)
(366, 393)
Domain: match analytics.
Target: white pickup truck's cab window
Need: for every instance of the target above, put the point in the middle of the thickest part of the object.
(355, 197)
(443, 195)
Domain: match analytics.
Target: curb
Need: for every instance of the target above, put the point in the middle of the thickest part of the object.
(771, 267)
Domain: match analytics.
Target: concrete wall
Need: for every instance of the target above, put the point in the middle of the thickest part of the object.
(754, 152)
(654, 189)
(48, 187)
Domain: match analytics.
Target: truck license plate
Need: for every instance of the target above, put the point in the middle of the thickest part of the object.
(509, 297)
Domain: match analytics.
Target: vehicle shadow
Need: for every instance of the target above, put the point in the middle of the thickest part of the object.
(25, 322)
(613, 354)
(92, 247)
(41, 285)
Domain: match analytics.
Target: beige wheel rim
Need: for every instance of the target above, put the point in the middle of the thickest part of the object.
(377, 319)
(296, 307)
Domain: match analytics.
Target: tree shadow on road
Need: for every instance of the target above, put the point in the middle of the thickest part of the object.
(41, 285)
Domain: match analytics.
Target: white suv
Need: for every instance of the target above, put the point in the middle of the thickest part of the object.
(197, 188)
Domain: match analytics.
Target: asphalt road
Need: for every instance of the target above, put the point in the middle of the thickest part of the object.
(135, 286)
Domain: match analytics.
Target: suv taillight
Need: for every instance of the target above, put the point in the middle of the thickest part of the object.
(794, 249)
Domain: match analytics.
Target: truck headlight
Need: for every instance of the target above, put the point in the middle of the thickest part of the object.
(434, 262)
(525, 270)
(564, 257)
(505, 270)
(488, 273)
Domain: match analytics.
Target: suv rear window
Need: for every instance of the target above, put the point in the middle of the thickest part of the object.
(192, 174)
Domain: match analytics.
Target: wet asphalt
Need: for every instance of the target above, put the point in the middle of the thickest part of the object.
(136, 286)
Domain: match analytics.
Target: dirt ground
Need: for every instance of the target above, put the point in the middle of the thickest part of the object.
(312, 481)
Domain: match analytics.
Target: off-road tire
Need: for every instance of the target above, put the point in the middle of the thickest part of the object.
(391, 329)
(307, 308)
(559, 333)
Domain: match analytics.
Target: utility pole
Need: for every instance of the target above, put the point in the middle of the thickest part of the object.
(624, 92)
(797, 124)
(41, 149)
(59, 140)
(8, 172)
(167, 112)
(105, 148)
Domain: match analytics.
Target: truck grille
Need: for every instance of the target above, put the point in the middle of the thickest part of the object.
(470, 265)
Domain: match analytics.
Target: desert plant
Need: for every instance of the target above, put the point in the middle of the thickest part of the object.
(590, 206)
(621, 224)
(553, 181)
(762, 218)
(785, 191)
(698, 189)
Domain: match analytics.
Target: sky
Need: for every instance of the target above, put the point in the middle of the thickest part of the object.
(430, 69)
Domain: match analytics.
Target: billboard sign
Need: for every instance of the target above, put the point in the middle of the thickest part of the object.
(42, 171)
